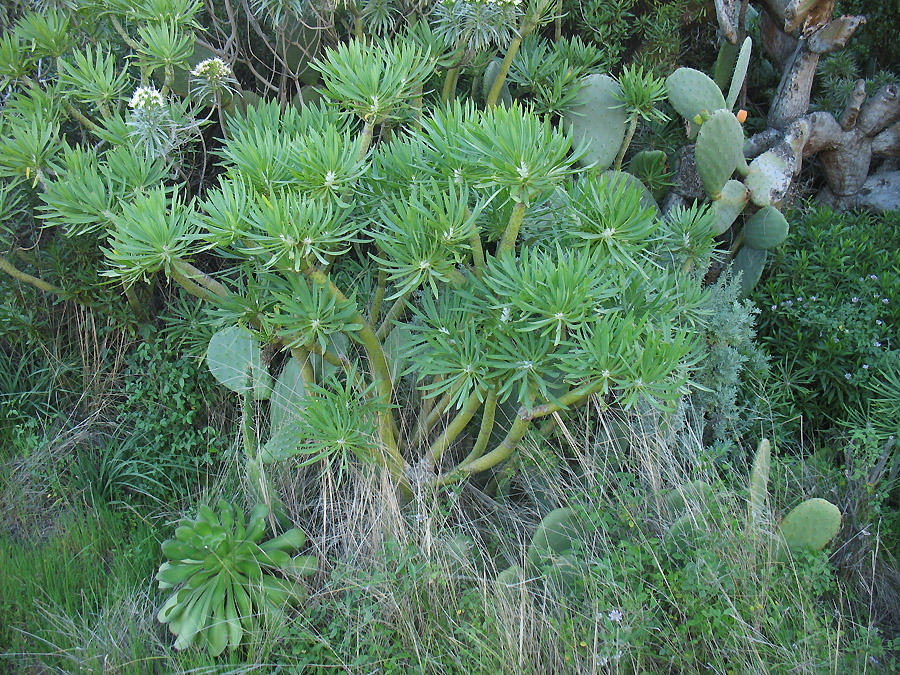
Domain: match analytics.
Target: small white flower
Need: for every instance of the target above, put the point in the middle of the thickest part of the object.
(873, 277)
(879, 322)
(854, 299)
(146, 97)
(615, 616)
(774, 307)
(877, 343)
(814, 298)
(848, 375)
(212, 69)
(884, 300)
(865, 366)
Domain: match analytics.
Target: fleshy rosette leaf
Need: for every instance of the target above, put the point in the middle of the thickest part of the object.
(310, 314)
(291, 232)
(222, 577)
(149, 235)
(424, 237)
(516, 151)
(374, 81)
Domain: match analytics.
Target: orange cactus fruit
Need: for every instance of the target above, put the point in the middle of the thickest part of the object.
(741, 116)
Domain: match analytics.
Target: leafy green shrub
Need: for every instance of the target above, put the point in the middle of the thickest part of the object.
(170, 405)
(830, 315)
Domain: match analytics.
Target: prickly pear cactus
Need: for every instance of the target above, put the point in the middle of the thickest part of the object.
(740, 73)
(556, 534)
(682, 533)
(234, 358)
(729, 205)
(766, 229)
(759, 481)
(750, 262)
(811, 525)
(288, 396)
(600, 120)
(768, 179)
(695, 493)
(691, 93)
(719, 151)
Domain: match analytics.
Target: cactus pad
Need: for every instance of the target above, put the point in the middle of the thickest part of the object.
(695, 493)
(759, 480)
(556, 534)
(768, 179)
(510, 577)
(287, 397)
(719, 151)
(682, 534)
(691, 92)
(232, 356)
(766, 229)
(729, 204)
(599, 120)
(740, 73)
(811, 525)
(750, 262)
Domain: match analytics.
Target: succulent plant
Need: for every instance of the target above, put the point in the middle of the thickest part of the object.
(750, 262)
(235, 360)
(224, 578)
(810, 525)
(766, 229)
(550, 551)
(719, 151)
(729, 204)
(759, 480)
(599, 121)
(692, 93)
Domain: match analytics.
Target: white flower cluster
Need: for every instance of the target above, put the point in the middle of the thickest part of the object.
(214, 70)
(145, 98)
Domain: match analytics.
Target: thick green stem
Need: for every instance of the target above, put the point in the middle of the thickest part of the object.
(426, 422)
(477, 252)
(330, 357)
(557, 20)
(306, 370)
(511, 233)
(126, 38)
(365, 138)
(449, 89)
(499, 454)
(515, 434)
(133, 301)
(394, 312)
(26, 278)
(381, 377)
(497, 86)
(182, 271)
(455, 428)
(487, 426)
(378, 298)
(632, 127)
